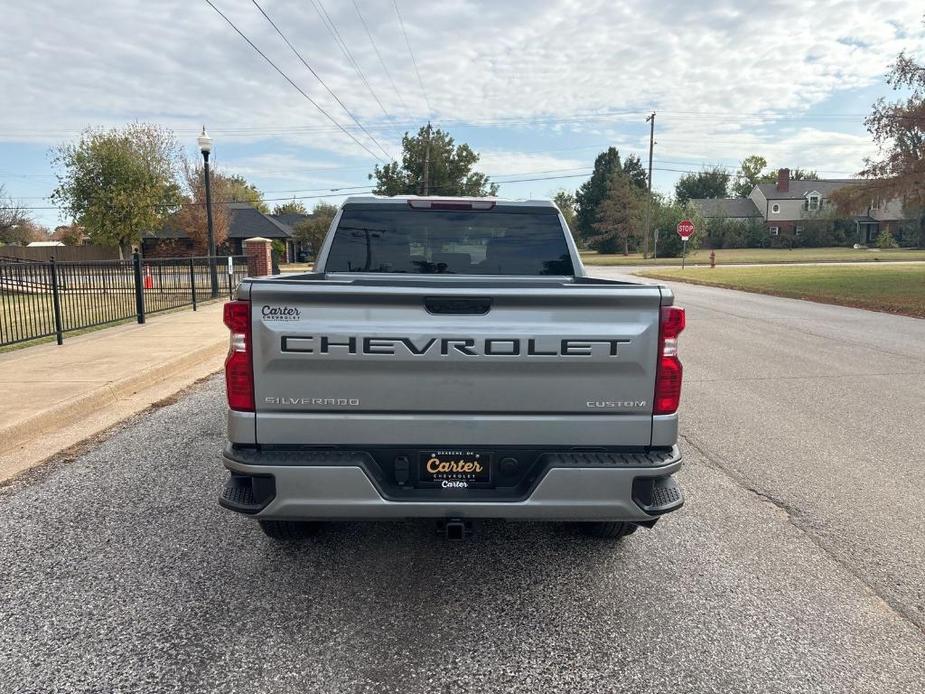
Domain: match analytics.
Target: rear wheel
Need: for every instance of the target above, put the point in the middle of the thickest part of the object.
(289, 530)
(612, 530)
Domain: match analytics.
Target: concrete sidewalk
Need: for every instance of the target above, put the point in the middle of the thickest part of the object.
(56, 396)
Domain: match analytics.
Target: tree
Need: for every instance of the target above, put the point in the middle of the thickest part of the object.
(192, 218)
(803, 175)
(709, 183)
(592, 192)
(618, 215)
(633, 168)
(14, 221)
(751, 173)
(119, 183)
(313, 230)
(237, 189)
(449, 168)
(37, 232)
(290, 207)
(565, 201)
(68, 234)
(898, 130)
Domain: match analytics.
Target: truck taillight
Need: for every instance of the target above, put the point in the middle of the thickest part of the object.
(239, 370)
(669, 371)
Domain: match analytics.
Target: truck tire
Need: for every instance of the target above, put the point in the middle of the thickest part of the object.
(289, 530)
(611, 530)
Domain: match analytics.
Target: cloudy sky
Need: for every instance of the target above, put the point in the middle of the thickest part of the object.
(537, 87)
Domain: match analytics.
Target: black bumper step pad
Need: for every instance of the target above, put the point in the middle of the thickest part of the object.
(657, 495)
(246, 494)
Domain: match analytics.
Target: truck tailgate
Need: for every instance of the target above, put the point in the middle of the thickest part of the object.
(450, 363)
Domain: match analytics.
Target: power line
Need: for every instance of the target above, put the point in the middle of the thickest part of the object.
(338, 191)
(414, 62)
(288, 79)
(504, 178)
(602, 146)
(495, 177)
(332, 29)
(345, 190)
(187, 203)
(318, 77)
(340, 188)
(385, 69)
(352, 190)
(263, 192)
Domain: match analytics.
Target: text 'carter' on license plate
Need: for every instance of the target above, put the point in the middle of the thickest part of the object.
(473, 467)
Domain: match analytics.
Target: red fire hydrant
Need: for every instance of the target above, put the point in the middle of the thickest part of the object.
(712, 258)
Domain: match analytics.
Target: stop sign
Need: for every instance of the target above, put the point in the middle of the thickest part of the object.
(685, 229)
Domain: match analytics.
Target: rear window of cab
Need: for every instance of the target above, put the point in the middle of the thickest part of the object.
(497, 241)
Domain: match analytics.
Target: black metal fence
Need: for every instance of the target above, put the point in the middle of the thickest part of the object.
(43, 299)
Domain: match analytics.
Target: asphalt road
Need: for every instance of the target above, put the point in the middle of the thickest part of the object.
(821, 409)
(795, 566)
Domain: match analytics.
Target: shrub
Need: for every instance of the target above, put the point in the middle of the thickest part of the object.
(912, 231)
(666, 219)
(736, 233)
(886, 240)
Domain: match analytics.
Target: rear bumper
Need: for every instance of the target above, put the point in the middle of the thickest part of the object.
(564, 492)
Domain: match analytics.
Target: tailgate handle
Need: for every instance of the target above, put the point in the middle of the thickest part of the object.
(476, 306)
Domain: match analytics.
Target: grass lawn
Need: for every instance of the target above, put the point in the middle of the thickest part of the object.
(892, 288)
(733, 256)
(737, 256)
(25, 315)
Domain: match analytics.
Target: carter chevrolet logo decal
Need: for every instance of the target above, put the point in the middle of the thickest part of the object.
(280, 313)
(467, 346)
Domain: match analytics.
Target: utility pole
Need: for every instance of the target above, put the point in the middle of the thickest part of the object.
(427, 162)
(645, 241)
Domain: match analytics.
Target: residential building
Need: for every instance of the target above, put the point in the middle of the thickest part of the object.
(787, 205)
(245, 221)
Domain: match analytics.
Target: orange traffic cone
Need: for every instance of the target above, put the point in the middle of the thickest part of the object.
(149, 280)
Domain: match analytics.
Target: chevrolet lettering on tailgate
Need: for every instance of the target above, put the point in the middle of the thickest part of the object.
(468, 346)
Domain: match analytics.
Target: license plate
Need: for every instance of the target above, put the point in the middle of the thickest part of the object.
(455, 468)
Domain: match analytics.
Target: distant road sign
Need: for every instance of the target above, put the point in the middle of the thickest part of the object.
(685, 229)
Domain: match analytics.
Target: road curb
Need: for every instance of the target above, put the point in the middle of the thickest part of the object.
(85, 404)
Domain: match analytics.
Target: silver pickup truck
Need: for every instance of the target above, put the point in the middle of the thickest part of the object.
(450, 359)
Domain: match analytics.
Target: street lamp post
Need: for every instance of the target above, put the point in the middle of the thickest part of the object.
(205, 146)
